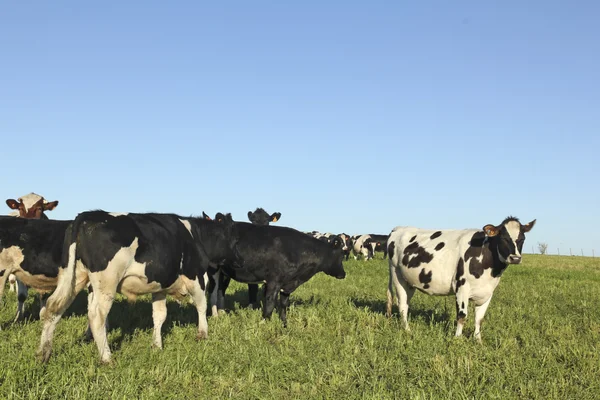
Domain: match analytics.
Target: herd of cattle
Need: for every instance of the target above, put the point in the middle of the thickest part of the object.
(188, 257)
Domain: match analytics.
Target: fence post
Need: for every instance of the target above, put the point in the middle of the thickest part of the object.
(593, 255)
(571, 251)
(532, 250)
(581, 252)
(558, 249)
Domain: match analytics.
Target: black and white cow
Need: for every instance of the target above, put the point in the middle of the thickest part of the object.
(346, 245)
(30, 206)
(258, 217)
(135, 254)
(282, 258)
(31, 249)
(362, 246)
(468, 263)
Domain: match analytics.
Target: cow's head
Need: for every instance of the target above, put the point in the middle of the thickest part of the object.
(336, 269)
(261, 217)
(346, 242)
(507, 239)
(31, 206)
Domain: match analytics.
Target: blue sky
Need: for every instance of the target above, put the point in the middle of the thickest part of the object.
(342, 115)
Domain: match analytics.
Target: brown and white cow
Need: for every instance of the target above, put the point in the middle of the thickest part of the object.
(467, 263)
(30, 206)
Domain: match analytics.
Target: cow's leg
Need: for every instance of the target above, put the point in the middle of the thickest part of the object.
(271, 292)
(159, 315)
(101, 304)
(253, 295)
(404, 293)
(199, 298)
(21, 297)
(213, 289)
(12, 283)
(390, 294)
(462, 304)
(88, 332)
(224, 282)
(479, 314)
(284, 302)
(43, 299)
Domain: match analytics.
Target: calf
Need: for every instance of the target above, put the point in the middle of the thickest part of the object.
(284, 259)
(30, 206)
(31, 249)
(135, 254)
(468, 263)
(258, 217)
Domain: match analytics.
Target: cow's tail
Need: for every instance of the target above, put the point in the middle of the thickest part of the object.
(65, 289)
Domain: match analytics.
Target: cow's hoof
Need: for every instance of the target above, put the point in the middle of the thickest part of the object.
(202, 336)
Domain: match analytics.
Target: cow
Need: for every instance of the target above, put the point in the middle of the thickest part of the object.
(31, 249)
(362, 246)
(346, 245)
(30, 206)
(258, 217)
(467, 263)
(135, 254)
(283, 258)
(379, 243)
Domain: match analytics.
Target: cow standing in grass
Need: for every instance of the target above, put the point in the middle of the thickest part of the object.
(258, 217)
(282, 258)
(468, 263)
(30, 206)
(135, 254)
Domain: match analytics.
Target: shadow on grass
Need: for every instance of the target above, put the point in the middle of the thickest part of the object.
(429, 316)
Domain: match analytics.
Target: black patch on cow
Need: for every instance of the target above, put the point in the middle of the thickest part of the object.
(2, 273)
(460, 271)
(461, 315)
(421, 256)
(462, 305)
(412, 239)
(436, 235)
(440, 246)
(22, 297)
(425, 279)
(391, 250)
(487, 250)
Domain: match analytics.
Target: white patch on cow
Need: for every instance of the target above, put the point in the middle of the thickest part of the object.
(187, 225)
(358, 247)
(30, 199)
(11, 258)
(117, 214)
(514, 229)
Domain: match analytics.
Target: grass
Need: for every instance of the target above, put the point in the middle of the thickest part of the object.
(541, 340)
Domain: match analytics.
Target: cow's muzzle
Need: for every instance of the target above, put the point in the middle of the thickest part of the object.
(514, 259)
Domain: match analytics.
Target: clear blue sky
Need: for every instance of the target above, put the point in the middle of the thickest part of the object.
(342, 115)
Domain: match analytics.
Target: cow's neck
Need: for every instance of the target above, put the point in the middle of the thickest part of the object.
(498, 266)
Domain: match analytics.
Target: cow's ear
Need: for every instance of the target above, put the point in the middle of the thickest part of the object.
(220, 217)
(250, 216)
(490, 230)
(206, 217)
(275, 217)
(50, 206)
(528, 227)
(13, 204)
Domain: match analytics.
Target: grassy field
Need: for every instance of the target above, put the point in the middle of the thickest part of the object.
(541, 339)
